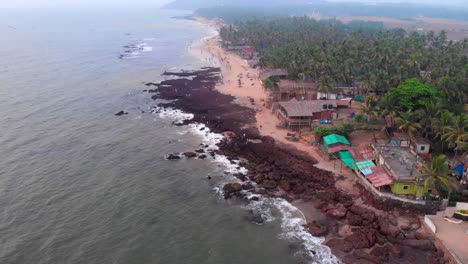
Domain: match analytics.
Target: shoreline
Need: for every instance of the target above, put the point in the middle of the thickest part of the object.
(233, 67)
(357, 227)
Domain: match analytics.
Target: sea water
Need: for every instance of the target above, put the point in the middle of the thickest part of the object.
(81, 185)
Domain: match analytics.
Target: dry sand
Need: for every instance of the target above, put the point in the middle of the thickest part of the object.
(233, 69)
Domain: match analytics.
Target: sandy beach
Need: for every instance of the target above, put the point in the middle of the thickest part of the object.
(243, 82)
(233, 69)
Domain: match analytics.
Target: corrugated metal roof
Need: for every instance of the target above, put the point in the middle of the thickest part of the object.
(365, 164)
(335, 139)
(347, 159)
(362, 153)
(379, 177)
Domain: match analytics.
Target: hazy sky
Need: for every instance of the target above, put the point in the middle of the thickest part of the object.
(81, 3)
(156, 3)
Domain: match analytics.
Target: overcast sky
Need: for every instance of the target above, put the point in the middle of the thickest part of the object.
(156, 3)
(81, 3)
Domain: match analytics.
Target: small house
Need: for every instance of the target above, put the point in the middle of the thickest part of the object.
(421, 146)
(402, 164)
(296, 114)
(289, 89)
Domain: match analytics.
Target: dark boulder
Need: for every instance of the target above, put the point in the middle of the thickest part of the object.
(254, 198)
(337, 212)
(248, 186)
(269, 184)
(339, 244)
(190, 154)
(255, 218)
(173, 157)
(362, 238)
(121, 113)
(420, 244)
(240, 176)
(317, 229)
(202, 157)
(388, 229)
(231, 188)
(354, 219)
(351, 259)
(362, 255)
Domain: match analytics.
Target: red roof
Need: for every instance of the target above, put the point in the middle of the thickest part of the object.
(379, 177)
(362, 153)
(366, 153)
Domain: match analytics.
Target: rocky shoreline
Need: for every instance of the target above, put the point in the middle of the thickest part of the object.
(365, 233)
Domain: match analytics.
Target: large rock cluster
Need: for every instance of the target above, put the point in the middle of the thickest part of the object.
(278, 171)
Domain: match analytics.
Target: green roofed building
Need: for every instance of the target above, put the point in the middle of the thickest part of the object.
(335, 139)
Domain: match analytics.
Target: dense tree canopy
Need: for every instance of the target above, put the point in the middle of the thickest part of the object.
(413, 94)
(357, 53)
(422, 78)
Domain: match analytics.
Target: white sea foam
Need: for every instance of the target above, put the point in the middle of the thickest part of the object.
(292, 219)
(147, 49)
(176, 115)
(292, 224)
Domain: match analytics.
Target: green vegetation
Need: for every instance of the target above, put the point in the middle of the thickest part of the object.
(463, 211)
(344, 130)
(361, 53)
(420, 81)
(437, 175)
(413, 94)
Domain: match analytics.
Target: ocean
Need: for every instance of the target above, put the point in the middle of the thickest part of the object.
(81, 185)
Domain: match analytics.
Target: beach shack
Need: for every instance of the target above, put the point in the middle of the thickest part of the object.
(333, 145)
(295, 114)
(289, 89)
(335, 140)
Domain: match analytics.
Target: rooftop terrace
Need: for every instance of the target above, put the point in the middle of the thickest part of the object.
(400, 162)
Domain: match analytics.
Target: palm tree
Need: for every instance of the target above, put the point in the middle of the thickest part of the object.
(456, 131)
(370, 109)
(325, 84)
(407, 123)
(463, 147)
(440, 125)
(437, 174)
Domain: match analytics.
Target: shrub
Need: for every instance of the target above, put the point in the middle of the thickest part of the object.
(360, 118)
(323, 131)
(344, 129)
